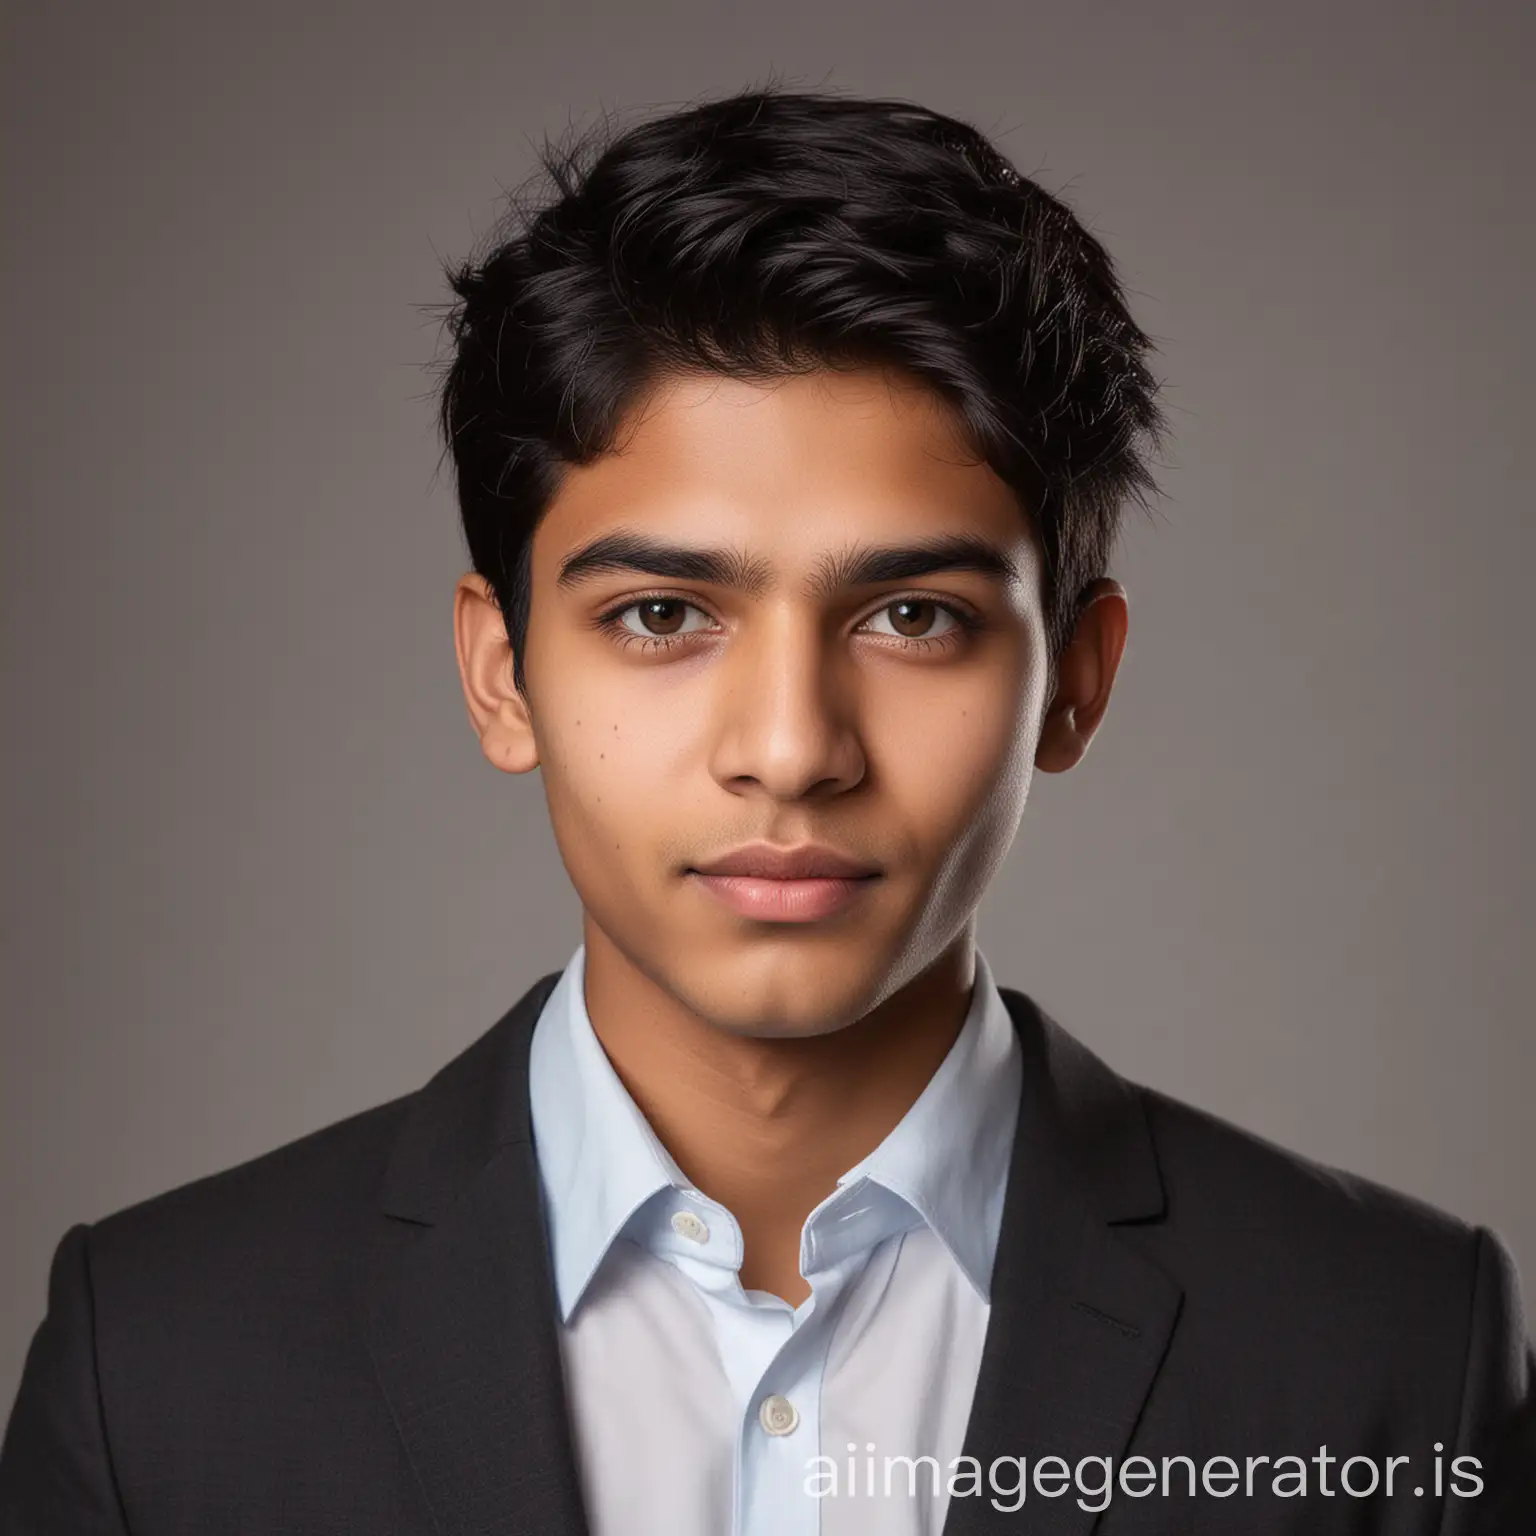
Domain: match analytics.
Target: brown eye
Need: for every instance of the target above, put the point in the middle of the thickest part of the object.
(659, 617)
(662, 615)
(912, 618)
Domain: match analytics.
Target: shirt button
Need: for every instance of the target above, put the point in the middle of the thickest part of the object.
(777, 1415)
(686, 1224)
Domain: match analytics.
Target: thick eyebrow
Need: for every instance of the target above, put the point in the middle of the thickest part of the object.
(860, 565)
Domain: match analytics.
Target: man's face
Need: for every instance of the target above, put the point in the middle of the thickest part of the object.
(678, 717)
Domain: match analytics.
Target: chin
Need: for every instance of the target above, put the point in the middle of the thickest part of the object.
(780, 994)
(758, 1027)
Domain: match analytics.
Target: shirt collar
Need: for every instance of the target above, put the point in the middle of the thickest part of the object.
(600, 1161)
(948, 1156)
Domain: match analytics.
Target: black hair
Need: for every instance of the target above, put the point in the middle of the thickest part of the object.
(774, 232)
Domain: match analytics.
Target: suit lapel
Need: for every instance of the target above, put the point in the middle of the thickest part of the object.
(461, 1314)
(1080, 1321)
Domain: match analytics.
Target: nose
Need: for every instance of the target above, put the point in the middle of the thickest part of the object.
(787, 714)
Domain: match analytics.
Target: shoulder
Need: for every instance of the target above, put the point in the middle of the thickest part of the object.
(1220, 1205)
(309, 1217)
(1229, 1188)
(1307, 1283)
(1290, 1263)
(298, 1209)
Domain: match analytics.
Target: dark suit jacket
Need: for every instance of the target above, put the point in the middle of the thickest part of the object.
(357, 1332)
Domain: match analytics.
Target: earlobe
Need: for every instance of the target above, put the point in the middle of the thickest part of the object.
(1087, 675)
(498, 714)
(508, 740)
(1061, 745)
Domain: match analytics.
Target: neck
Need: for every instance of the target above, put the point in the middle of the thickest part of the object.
(764, 1125)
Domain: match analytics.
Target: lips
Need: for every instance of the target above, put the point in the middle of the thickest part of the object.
(785, 901)
(809, 861)
(786, 885)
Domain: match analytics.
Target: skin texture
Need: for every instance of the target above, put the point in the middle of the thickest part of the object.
(771, 1057)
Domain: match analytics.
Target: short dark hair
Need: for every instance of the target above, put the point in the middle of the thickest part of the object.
(774, 232)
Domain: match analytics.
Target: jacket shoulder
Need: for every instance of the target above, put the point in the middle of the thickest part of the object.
(306, 1195)
(1285, 1257)
(1221, 1177)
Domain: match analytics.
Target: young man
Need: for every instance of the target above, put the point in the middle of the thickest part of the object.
(791, 438)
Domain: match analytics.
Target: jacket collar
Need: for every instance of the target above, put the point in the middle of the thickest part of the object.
(466, 1112)
(461, 1317)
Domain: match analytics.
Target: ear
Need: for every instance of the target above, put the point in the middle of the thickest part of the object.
(498, 714)
(1085, 676)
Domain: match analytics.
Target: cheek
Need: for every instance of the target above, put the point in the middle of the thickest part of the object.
(963, 757)
(610, 771)
(971, 816)
(614, 784)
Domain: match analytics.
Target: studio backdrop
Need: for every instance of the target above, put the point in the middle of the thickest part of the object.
(258, 874)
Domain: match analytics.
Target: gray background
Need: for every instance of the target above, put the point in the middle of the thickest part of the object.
(257, 874)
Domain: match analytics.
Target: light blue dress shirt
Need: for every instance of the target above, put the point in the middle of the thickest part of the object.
(610, 1187)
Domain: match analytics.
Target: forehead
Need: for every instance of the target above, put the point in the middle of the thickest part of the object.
(786, 468)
